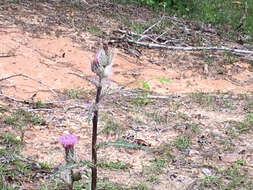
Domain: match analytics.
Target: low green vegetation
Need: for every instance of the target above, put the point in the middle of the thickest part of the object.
(157, 165)
(246, 124)
(210, 181)
(236, 128)
(111, 126)
(194, 127)
(114, 165)
(234, 177)
(94, 30)
(21, 119)
(182, 143)
(142, 98)
(202, 98)
(8, 138)
(39, 104)
(224, 13)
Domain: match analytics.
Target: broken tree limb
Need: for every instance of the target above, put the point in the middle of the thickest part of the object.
(149, 28)
(189, 48)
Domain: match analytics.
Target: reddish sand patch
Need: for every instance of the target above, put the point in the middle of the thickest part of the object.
(42, 58)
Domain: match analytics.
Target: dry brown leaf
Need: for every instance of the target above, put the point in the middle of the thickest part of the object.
(236, 2)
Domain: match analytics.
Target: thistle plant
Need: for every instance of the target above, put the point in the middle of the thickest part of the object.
(68, 142)
(102, 61)
(100, 65)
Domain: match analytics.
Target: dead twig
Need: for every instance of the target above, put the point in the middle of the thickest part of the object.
(85, 78)
(27, 101)
(189, 48)
(15, 99)
(26, 76)
(86, 108)
(152, 26)
(6, 55)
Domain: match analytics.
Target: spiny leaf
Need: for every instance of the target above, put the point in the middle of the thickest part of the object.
(123, 144)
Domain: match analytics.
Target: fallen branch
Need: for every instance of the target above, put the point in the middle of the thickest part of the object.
(15, 99)
(189, 48)
(85, 78)
(29, 102)
(149, 28)
(6, 55)
(26, 76)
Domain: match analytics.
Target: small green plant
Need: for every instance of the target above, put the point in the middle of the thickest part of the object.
(246, 124)
(235, 175)
(153, 179)
(227, 145)
(209, 181)
(219, 70)
(94, 30)
(143, 98)
(138, 28)
(8, 138)
(163, 151)
(73, 93)
(21, 118)
(111, 126)
(182, 143)
(141, 186)
(202, 98)
(157, 116)
(157, 165)
(208, 59)
(114, 165)
(227, 105)
(39, 104)
(232, 131)
(46, 165)
(195, 128)
(229, 58)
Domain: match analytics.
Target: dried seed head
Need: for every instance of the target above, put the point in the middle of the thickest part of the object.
(102, 61)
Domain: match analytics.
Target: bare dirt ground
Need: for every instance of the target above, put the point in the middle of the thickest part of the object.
(209, 96)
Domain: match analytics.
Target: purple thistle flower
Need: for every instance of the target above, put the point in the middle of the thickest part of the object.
(68, 141)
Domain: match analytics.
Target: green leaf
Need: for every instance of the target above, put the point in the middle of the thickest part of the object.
(123, 144)
(163, 80)
(145, 85)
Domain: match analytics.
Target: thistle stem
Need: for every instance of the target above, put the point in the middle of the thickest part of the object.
(94, 139)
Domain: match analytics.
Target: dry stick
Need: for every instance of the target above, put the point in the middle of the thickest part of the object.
(26, 76)
(189, 48)
(94, 139)
(85, 78)
(14, 99)
(6, 55)
(26, 101)
(142, 36)
(152, 26)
